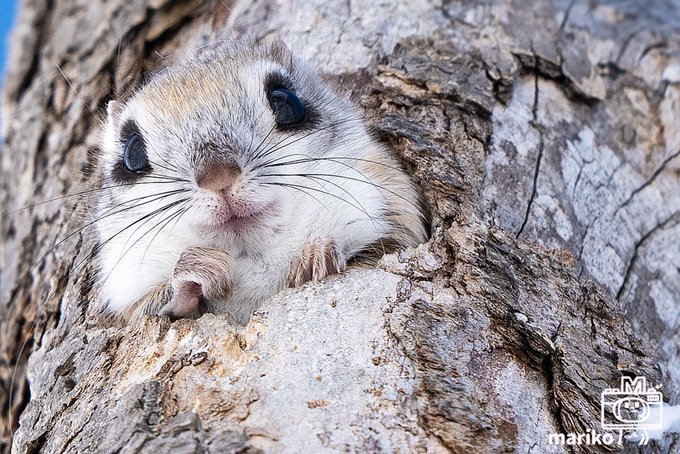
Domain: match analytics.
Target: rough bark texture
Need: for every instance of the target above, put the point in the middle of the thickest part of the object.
(544, 136)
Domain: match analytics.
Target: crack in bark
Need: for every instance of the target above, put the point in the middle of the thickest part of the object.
(567, 13)
(651, 47)
(537, 169)
(583, 243)
(28, 76)
(78, 431)
(551, 70)
(578, 178)
(551, 368)
(624, 46)
(344, 24)
(638, 246)
(651, 179)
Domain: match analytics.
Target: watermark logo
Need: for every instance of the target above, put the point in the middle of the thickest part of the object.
(634, 408)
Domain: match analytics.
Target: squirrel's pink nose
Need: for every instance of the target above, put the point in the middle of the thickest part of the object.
(218, 177)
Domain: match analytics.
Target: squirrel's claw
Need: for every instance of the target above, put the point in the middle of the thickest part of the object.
(320, 257)
(201, 275)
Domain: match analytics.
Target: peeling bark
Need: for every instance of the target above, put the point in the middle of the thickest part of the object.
(545, 140)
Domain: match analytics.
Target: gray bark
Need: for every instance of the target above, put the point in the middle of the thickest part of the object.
(545, 138)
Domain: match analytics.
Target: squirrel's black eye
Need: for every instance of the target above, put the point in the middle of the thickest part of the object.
(134, 156)
(287, 107)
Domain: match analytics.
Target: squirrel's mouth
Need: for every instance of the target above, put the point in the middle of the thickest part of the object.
(239, 224)
(240, 219)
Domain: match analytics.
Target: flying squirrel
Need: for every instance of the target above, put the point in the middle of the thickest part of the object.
(234, 174)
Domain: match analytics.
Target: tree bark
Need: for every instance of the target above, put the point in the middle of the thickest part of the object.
(544, 136)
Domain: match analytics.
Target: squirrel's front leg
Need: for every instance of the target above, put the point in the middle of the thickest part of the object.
(320, 257)
(200, 275)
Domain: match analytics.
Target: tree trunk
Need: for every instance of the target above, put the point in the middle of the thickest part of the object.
(544, 137)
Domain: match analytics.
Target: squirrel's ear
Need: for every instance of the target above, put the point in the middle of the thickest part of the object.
(281, 53)
(113, 110)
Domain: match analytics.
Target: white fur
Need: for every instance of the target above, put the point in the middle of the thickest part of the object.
(225, 99)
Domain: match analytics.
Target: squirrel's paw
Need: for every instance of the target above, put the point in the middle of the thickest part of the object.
(320, 257)
(200, 275)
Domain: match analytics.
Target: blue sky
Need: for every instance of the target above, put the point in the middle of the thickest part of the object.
(7, 8)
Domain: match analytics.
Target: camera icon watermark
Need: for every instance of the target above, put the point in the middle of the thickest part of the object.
(634, 406)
